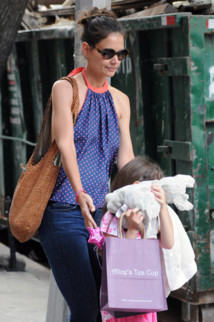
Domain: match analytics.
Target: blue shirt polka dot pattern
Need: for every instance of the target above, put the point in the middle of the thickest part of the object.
(96, 138)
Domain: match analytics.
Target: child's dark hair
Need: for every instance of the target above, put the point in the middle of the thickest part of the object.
(97, 24)
(139, 169)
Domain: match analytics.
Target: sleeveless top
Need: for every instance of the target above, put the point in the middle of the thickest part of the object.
(96, 139)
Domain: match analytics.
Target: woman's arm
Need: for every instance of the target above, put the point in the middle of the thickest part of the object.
(125, 153)
(62, 132)
(166, 227)
(122, 105)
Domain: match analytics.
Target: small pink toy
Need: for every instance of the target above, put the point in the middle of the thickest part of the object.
(96, 237)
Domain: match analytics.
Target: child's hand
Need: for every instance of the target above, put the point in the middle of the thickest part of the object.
(166, 227)
(159, 194)
(134, 218)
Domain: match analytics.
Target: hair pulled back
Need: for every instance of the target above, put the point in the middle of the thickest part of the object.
(139, 169)
(97, 24)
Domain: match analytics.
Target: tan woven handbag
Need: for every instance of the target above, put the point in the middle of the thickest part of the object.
(37, 181)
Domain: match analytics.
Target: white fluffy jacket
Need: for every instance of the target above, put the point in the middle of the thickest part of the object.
(178, 263)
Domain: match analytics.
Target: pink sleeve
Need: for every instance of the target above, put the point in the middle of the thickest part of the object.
(112, 230)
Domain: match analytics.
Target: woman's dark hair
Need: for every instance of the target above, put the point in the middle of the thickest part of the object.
(139, 169)
(97, 24)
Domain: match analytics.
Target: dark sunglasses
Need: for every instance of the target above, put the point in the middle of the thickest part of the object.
(108, 53)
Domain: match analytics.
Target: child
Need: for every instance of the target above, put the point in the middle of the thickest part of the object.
(170, 231)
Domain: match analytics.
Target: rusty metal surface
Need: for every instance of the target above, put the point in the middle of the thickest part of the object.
(202, 99)
(46, 34)
(193, 297)
(129, 80)
(153, 23)
(177, 75)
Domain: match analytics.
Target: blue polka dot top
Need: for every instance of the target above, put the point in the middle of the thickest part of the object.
(96, 138)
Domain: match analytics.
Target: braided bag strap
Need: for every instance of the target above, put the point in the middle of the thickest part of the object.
(44, 138)
(75, 103)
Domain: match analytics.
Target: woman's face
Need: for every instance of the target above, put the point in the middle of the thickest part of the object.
(106, 67)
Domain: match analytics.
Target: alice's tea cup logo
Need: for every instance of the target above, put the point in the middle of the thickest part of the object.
(134, 272)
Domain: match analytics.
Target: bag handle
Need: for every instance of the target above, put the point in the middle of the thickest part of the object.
(120, 221)
(75, 102)
(44, 138)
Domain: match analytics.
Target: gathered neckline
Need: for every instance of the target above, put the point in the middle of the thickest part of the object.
(78, 70)
(102, 89)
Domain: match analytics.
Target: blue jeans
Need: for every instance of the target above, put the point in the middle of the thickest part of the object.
(74, 262)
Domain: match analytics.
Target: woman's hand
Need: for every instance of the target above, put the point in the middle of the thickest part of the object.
(134, 218)
(86, 205)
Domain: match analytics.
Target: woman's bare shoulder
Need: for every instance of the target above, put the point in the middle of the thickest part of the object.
(62, 94)
(65, 84)
(118, 94)
(62, 85)
(121, 101)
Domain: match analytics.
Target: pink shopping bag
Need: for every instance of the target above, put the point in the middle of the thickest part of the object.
(131, 277)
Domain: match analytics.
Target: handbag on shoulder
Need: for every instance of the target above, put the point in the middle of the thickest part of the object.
(37, 180)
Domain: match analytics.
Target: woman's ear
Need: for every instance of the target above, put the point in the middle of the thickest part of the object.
(135, 182)
(86, 49)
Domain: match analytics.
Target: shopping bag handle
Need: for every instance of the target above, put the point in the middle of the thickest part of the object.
(120, 221)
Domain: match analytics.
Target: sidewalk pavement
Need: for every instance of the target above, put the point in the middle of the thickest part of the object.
(23, 295)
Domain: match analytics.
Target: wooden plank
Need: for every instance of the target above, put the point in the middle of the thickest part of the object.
(154, 11)
(129, 4)
(64, 11)
(48, 2)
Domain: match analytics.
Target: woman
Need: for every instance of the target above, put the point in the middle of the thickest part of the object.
(88, 150)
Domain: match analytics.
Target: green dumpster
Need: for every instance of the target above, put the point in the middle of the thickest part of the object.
(39, 58)
(169, 79)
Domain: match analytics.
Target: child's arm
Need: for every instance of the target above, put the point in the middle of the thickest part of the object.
(134, 218)
(166, 227)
